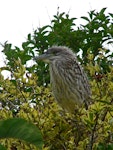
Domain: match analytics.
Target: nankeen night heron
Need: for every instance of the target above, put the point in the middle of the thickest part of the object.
(70, 85)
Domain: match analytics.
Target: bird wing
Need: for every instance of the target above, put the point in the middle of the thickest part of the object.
(74, 76)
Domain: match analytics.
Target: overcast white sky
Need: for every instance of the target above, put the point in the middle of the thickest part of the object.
(20, 17)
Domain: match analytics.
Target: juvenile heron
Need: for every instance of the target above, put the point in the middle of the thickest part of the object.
(69, 82)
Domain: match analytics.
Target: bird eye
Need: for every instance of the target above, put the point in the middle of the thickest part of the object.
(54, 53)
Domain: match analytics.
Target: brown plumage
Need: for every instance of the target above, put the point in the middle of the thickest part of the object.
(69, 82)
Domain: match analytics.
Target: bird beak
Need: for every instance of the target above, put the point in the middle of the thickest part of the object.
(43, 57)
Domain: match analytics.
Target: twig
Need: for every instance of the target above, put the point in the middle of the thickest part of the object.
(93, 132)
(106, 111)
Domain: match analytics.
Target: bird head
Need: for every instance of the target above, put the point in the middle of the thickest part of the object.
(55, 53)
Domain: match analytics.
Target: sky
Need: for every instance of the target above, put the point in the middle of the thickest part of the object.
(18, 18)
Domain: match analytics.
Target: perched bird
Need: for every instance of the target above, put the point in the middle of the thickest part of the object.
(70, 85)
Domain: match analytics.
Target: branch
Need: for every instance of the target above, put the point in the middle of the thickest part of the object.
(93, 132)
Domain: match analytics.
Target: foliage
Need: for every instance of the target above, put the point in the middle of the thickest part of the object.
(26, 94)
(18, 128)
(88, 38)
(2, 147)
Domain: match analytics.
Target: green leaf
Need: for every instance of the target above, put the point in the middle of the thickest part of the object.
(91, 116)
(102, 10)
(101, 146)
(110, 147)
(85, 18)
(2, 147)
(21, 129)
(29, 37)
(111, 15)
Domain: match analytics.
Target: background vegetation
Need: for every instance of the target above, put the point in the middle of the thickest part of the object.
(27, 94)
